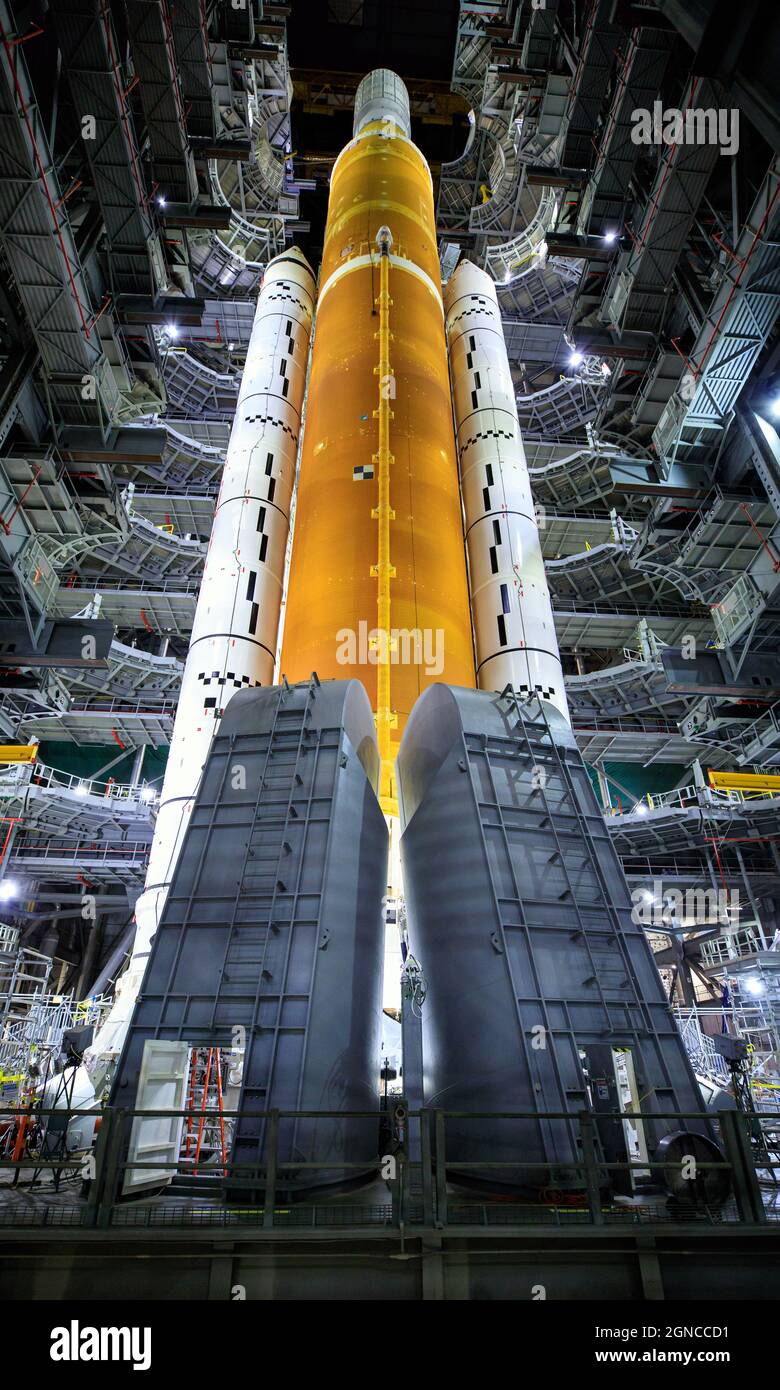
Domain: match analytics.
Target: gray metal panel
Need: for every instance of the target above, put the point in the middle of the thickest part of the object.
(519, 914)
(61, 644)
(274, 923)
(708, 673)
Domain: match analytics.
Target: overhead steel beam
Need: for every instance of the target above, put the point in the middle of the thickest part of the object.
(176, 309)
(154, 57)
(638, 293)
(139, 444)
(738, 45)
(737, 326)
(220, 148)
(216, 219)
(191, 41)
(637, 86)
(589, 84)
(90, 51)
(40, 246)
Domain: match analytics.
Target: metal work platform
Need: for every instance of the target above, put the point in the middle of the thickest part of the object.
(71, 859)
(167, 608)
(411, 1237)
(64, 804)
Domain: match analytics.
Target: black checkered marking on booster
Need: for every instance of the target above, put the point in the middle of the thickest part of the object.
(211, 703)
(546, 692)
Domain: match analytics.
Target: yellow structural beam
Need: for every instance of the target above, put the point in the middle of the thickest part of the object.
(745, 781)
(384, 515)
(18, 752)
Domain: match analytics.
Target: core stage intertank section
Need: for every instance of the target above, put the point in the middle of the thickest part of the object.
(520, 916)
(274, 925)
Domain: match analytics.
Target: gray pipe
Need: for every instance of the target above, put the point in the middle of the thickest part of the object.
(115, 961)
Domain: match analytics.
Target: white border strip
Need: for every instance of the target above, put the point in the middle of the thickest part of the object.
(399, 262)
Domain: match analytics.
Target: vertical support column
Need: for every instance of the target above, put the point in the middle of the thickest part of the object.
(751, 898)
(606, 799)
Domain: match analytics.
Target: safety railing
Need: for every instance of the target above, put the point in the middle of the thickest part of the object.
(736, 945)
(28, 1040)
(9, 939)
(184, 585)
(427, 1186)
(15, 780)
(692, 867)
(683, 798)
(60, 851)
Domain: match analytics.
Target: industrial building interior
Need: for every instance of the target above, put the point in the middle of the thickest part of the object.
(522, 893)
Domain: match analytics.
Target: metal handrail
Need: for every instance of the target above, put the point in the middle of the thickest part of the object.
(15, 779)
(435, 1207)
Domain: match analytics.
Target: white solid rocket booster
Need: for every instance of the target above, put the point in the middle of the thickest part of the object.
(234, 635)
(514, 627)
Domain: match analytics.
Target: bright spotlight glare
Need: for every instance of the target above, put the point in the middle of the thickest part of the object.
(576, 359)
(172, 329)
(640, 809)
(8, 888)
(609, 237)
(775, 408)
(753, 985)
(81, 789)
(160, 201)
(146, 794)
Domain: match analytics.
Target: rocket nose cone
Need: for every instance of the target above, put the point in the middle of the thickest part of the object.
(291, 264)
(292, 253)
(382, 96)
(467, 278)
